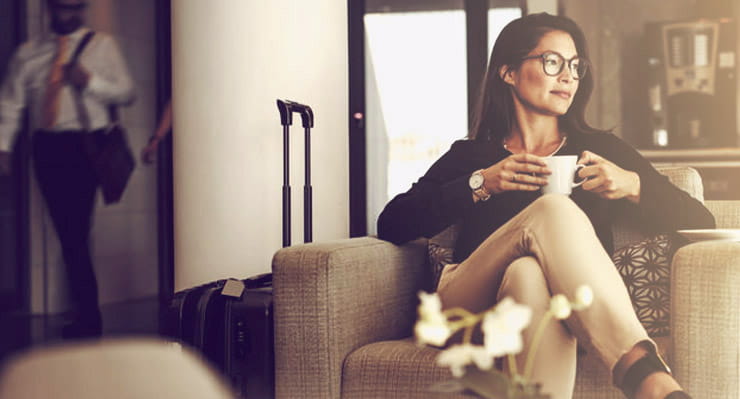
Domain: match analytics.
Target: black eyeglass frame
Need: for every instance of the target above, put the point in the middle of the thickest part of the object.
(573, 71)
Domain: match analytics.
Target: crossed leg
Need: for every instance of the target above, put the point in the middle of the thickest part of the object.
(551, 248)
(555, 360)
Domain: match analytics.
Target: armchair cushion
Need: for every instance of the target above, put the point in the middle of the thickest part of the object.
(394, 369)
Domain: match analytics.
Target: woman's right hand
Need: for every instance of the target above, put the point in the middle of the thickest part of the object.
(518, 172)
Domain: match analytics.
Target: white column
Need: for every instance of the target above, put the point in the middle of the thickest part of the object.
(231, 60)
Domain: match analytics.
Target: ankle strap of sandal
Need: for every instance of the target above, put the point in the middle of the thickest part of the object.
(638, 371)
(678, 395)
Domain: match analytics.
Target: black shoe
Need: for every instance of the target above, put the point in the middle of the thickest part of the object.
(642, 368)
(678, 395)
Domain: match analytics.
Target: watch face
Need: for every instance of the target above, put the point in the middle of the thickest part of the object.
(475, 181)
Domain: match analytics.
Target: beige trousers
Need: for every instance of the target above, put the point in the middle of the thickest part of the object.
(550, 248)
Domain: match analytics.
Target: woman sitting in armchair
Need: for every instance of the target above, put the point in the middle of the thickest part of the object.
(516, 242)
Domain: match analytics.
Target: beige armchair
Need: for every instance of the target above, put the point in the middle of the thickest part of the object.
(344, 312)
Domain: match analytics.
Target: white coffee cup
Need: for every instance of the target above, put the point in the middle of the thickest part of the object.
(564, 169)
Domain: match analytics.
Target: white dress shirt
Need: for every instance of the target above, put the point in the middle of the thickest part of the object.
(26, 82)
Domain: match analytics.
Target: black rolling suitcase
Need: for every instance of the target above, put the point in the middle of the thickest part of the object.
(231, 321)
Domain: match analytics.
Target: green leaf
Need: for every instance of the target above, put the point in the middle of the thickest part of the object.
(491, 384)
(448, 386)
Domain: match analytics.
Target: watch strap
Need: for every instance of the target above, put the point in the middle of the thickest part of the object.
(481, 193)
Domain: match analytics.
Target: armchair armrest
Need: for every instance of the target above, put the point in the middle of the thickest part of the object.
(705, 318)
(331, 298)
(726, 213)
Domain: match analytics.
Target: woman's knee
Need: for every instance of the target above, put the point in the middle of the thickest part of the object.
(556, 204)
(524, 281)
(559, 210)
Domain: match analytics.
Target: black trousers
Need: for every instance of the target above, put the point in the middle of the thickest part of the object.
(68, 185)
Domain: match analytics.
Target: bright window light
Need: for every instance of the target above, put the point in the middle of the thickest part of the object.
(416, 97)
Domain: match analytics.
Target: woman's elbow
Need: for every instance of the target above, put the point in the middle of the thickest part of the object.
(389, 229)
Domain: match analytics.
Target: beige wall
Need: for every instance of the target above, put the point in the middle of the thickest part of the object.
(124, 239)
(231, 60)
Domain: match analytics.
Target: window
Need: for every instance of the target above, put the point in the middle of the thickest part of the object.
(423, 61)
(498, 18)
(416, 99)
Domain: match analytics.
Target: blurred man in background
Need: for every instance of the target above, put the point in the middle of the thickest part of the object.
(68, 108)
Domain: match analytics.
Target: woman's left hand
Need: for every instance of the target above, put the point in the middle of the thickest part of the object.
(608, 180)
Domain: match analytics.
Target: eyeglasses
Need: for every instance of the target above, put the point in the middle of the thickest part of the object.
(553, 63)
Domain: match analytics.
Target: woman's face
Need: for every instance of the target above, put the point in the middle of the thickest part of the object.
(536, 90)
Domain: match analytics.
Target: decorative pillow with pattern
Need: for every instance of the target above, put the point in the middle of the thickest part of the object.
(645, 268)
(440, 248)
(439, 257)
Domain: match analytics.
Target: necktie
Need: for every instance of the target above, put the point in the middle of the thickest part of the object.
(54, 84)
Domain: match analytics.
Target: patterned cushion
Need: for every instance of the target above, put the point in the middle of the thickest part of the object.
(439, 257)
(645, 268)
(440, 251)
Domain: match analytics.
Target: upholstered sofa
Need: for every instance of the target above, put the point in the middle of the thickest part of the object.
(344, 312)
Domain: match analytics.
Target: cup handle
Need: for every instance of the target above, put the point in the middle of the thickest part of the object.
(579, 167)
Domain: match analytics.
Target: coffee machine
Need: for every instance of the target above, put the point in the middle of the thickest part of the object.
(692, 89)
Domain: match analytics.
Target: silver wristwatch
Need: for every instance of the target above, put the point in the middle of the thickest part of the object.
(475, 182)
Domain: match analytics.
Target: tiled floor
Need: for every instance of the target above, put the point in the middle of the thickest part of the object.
(21, 331)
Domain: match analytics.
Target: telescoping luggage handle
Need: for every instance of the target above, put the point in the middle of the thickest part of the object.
(287, 108)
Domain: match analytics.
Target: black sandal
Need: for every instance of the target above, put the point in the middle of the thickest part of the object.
(638, 371)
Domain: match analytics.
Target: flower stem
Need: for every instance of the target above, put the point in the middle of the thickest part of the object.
(457, 312)
(468, 335)
(461, 323)
(529, 363)
(513, 370)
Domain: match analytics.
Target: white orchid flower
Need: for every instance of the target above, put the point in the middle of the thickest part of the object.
(515, 315)
(502, 327)
(430, 307)
(584, 297)
(432, 327)
(501, 342)
(459, 356)
(431, 333)
(560, 307)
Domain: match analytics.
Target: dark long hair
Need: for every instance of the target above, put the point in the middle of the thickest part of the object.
(493, 115)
